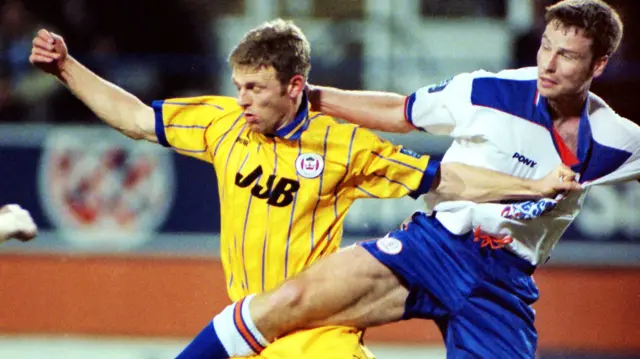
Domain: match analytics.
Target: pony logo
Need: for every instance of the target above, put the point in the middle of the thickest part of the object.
(102, 190)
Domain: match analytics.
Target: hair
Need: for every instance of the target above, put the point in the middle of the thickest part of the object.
(276, 43)
(599, 21)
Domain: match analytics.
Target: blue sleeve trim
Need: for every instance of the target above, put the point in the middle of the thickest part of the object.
(427, 179)
(157, 109)
(408, 108)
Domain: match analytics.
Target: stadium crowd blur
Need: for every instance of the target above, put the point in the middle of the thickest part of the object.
(150, 48)
(164, 48)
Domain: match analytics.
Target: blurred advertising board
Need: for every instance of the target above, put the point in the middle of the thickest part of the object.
(91, 189)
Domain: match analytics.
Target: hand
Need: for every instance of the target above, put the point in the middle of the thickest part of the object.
(557, 183)
(17, 223)
(49, 52)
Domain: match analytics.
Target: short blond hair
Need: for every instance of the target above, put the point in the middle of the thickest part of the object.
(276, 43)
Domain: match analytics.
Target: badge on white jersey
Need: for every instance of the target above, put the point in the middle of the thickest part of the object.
(389, 245)
(309, 165)
(439, 86)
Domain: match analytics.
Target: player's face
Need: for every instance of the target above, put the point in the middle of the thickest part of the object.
(566, 65)
(265, 103)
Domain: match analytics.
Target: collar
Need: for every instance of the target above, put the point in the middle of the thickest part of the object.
(294, 129)
(584, 135)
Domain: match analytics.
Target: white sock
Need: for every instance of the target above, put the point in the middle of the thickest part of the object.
(237, 331)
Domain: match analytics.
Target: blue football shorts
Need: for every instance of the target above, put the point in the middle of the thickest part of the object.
(479, 297)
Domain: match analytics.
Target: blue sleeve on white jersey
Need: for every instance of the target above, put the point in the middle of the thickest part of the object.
(621, 138)
(450, 104)
(440, 108)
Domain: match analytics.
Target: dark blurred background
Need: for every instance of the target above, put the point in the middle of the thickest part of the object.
(173, 48)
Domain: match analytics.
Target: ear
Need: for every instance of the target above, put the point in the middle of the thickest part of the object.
(296, 86)
(599, 65)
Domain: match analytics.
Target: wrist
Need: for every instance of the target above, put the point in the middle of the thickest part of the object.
(65, 69)
(534, 188)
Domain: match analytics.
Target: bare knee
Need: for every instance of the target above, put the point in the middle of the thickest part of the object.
(289, 296)
(347, 288)
(278, 312)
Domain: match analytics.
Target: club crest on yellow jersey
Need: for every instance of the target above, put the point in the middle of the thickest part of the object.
(309, 165)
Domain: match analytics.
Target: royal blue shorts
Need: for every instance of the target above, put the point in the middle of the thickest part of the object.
(479, 297)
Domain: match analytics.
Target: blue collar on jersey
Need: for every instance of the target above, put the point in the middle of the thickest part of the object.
(585, 138)
(294, 129)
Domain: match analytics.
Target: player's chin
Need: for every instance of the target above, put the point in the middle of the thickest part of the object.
(551, 93)
(546, 92)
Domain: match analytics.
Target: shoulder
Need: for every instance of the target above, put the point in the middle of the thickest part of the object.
(340, 133)
(202, 108)
(485, 86)
(609, 128)
(321, 124)
(522, 74)
(601, 115)
(523, 79)
(510, 91)
(352, 133)
(222, 103)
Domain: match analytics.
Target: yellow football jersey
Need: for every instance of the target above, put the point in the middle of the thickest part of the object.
(284, 197)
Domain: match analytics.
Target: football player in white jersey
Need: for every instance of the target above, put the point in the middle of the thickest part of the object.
(468, 266)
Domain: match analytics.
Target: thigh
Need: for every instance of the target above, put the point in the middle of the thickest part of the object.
(356, 290)
(487, 328)
(434, 264)
(320, 343)
(348, 288)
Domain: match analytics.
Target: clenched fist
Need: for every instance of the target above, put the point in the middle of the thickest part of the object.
(17, 223)
(49, 52)
(557, 183)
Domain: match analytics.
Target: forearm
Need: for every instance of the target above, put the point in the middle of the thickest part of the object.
(462, 182)
(115, 106)
(375, 110)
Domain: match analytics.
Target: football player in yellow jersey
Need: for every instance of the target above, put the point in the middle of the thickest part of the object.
(286, 176)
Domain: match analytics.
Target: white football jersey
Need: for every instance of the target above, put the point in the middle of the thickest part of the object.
(500, 122)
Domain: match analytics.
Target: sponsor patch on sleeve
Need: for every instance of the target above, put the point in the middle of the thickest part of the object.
(410, 153)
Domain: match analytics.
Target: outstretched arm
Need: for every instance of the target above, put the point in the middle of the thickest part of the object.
(115, 106)
(463, 182)
(382, 111)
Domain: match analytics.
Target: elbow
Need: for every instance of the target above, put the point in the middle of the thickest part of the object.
(143, 125)
(403, 126)
(133, 130)
(130, 130)
(399, 122)
(133, 134)
(391, 122)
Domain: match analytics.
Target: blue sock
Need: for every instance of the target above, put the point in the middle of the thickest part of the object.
(206, 345)
(231, 334)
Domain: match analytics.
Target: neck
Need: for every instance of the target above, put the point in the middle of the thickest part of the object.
(568, 106)
(291, 113)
